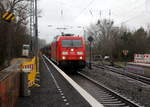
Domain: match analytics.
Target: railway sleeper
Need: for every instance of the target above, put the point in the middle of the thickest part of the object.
(111, 100)
(105, 97)
(111, 105)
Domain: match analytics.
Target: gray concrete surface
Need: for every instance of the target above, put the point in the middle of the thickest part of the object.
(48, 95)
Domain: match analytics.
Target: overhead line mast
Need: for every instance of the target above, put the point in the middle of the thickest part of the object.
(32, 19)
(36, 35)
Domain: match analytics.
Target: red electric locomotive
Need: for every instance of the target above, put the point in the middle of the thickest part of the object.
(68, 51)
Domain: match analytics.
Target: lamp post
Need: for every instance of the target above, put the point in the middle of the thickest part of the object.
(90, 39)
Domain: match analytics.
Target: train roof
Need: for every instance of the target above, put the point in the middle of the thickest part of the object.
(67, 36)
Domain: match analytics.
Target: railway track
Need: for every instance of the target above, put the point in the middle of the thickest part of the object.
(126, 73)
(4, 74)
(108, 97)
(3, 67)
(104, 95)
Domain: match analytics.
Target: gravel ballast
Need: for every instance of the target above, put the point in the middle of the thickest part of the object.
(132, 89)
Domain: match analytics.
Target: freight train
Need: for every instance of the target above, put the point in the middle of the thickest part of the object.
(46, 50)
(68, 51)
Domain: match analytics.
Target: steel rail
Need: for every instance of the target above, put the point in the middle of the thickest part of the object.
(125, 73)
(122, 101)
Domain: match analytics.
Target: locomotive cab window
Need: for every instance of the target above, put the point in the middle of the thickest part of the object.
(72, 43)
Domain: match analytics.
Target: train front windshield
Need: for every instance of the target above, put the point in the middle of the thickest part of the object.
(71, 43)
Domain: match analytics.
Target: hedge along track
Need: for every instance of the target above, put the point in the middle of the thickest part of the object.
(108, 97)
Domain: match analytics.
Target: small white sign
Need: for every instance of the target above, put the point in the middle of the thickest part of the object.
(26, 69)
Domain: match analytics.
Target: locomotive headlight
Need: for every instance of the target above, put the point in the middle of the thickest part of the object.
(81, 57)
(63, 57)
(72, 50)
(79, 53)
(64, 53)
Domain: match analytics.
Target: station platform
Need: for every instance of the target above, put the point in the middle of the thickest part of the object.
(139, 68)
(49, 95)
(140, 64)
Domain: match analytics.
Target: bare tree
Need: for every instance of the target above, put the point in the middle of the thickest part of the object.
(104, 36)
(13, 34)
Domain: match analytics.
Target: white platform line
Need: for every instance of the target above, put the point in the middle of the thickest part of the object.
(52, 75)
(91, 100)
(56, 83)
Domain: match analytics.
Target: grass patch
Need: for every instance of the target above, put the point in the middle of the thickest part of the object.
(122, 64)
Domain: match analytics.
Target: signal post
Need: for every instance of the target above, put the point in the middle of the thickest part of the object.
(90, 39)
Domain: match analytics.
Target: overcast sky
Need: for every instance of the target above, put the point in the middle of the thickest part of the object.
(65, 13)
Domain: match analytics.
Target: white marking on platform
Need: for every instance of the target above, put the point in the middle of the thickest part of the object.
(53, 77)
(91, 100)
(67, 104)
(56, 83)
(63, 97)
(62, 94)
(65, 100)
